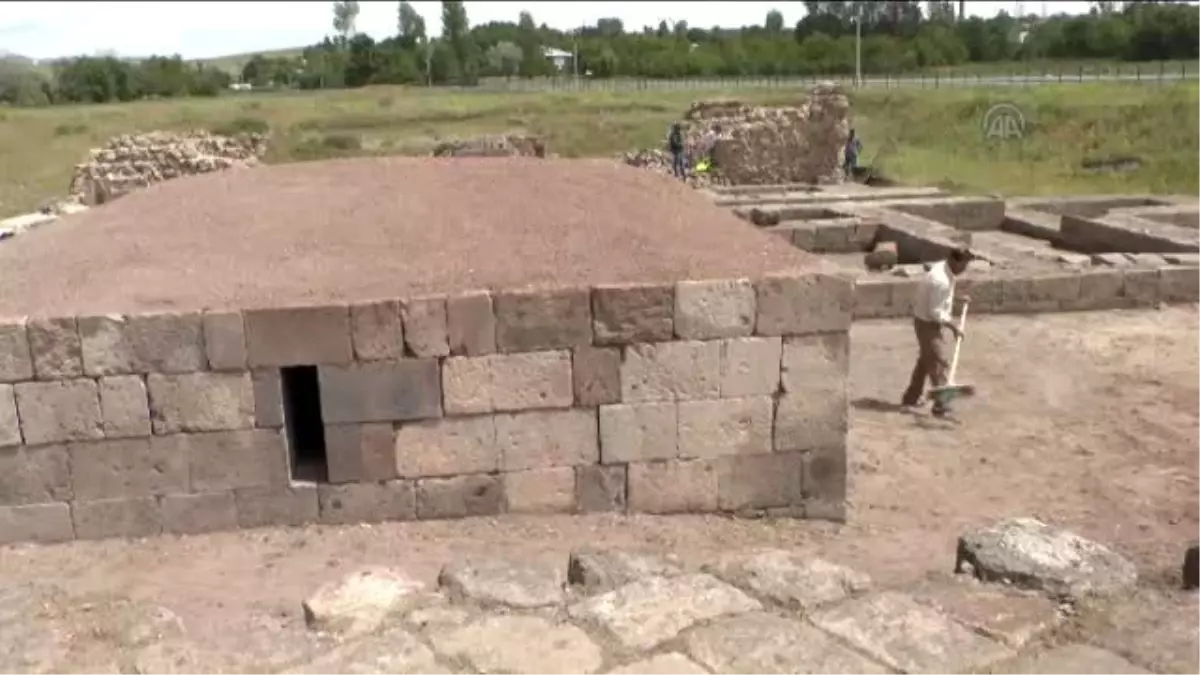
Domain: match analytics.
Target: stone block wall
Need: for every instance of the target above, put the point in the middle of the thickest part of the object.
(720, 395)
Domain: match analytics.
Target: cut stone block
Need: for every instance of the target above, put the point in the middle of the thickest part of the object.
(1032, 554)
(360, 452)
(200, 402)
(671, 663)
(1005, 614)
(547, 438)
(714, 309)
(507, 382)
(124, 406)
(199, 513)
(750, 366)
(10, 424)
(535, 320)
(728, 426)
(366, 502)
(105, 518)
(671, 371)
(132, 467)
(231, 459)
(630, 313)
(1098, 289)
(16, 362)
(377, 331)
(647, 613)
(763, 643)
(360, 602)
(812, 303)
(393, 650)
(381, 391)
(673, 486)
(38, 523)
(540, 490)
(600, 488)
(814, 411)
(636, 433)
(225, 340)
(156, 343)
(601, 571)
(1179, 284)
(1073, 658)
(825, 479)
(904, 635)
(597, 375)
(273, 507)
(760, 481)
(812, 422)
(425, 328)
(34, 475)
(62, 410)
(495, 582)
(268, 399)
(56, 348)
(794, 580)
(1142, 287)
(471, 324)
(459, 496)
(447, 447)
(520, 644)
(298, 336)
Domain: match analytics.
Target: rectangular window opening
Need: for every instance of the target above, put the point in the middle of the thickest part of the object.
(303, 424)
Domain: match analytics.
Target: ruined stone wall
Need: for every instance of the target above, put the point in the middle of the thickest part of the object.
(134, 161)
(721, 395)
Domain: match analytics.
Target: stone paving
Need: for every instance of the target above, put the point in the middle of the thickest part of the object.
(615, 611)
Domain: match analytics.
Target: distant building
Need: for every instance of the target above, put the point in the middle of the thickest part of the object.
(561, 59)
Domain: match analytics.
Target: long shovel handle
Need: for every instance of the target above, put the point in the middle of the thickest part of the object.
(962, 325)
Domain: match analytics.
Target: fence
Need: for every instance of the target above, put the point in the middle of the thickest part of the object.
(1145, 73)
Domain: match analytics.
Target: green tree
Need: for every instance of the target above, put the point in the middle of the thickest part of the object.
(456, 35)
(774, 22)
(345, 15)
(504, 58)
(411, 26)
(533, 63)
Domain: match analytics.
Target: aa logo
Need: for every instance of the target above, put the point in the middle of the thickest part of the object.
(1003, 121)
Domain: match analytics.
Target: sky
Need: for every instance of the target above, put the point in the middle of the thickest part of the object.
(197, 30)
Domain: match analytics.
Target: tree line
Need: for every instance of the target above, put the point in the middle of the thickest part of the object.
(897, 36)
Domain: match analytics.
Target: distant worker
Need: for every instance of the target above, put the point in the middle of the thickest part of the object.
(932, 309)
(675, 145)
(853, 149)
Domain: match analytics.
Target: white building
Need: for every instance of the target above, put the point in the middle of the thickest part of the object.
(561, 59)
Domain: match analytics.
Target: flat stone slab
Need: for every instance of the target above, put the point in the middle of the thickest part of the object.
(600, 571)
(1031, 554)
(793, 580)
(1159, 630)
(1071, 660)
(499, 582)
(1005, 614)
(520, 644)
(765, 643)
(393, 651)
(671, 663)
(361, 601)
(646, 613)
(905, 635)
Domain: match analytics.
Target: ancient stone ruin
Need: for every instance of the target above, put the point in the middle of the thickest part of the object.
(498, 145)
(758, 145)
(364, 340)
(134, 161)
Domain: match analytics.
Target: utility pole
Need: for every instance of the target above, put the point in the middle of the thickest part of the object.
(858, 47)
(575, 58)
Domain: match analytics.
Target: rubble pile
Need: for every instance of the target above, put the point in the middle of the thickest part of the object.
(758, 145)
(133, 161)
(509, 145)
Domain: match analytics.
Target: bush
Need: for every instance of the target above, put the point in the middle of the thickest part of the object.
(243, 125)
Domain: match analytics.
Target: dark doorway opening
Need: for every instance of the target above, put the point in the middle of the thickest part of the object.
(303, 424)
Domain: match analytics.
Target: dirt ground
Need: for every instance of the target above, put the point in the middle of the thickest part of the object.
(1088, 421)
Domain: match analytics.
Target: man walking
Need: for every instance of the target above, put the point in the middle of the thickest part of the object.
(675, 145)
(932, 316)
(853, 148)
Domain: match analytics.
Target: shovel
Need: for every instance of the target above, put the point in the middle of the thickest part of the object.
(950, 391)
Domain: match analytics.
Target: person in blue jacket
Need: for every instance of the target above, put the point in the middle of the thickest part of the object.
(675, 145)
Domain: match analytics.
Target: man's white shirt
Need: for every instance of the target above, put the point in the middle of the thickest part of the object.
(935, 295)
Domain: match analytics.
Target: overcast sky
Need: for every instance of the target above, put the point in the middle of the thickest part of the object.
(207, 29)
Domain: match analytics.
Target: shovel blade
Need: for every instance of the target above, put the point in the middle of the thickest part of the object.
(950, 392)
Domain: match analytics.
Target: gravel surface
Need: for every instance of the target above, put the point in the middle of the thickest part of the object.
(379, 228)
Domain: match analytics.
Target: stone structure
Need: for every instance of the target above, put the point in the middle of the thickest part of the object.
(1035, 254)
(763, 145)
(210, 388)
(508, 145)
(134, 161)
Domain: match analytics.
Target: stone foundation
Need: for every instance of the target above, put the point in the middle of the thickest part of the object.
(719, 395)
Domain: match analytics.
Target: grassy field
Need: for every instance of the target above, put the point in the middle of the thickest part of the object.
(915, 136)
